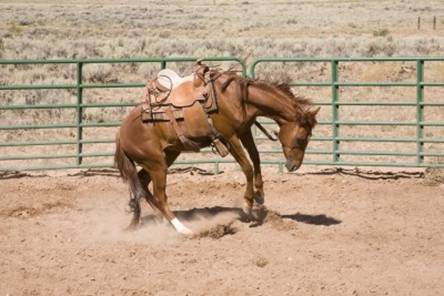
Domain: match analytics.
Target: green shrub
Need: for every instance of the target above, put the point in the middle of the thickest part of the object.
(381, 32)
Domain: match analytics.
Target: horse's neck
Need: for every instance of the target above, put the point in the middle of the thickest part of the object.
(270, 103)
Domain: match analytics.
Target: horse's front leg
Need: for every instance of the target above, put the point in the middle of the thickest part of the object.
(239, 155)
(248, 142)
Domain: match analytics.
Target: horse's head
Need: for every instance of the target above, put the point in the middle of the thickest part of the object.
(294, 137)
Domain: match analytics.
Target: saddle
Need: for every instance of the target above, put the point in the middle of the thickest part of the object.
(186, 103)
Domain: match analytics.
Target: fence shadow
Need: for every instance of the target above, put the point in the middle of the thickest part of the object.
(368, 174)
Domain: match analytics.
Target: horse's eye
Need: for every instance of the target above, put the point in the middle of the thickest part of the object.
(301, 143)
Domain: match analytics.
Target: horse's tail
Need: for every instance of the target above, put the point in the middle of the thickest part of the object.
(128, 172)
(124, 164)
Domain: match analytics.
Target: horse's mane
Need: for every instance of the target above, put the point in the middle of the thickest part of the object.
(298, 100)
(301, 103)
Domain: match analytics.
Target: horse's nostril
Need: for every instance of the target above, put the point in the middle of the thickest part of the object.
(291, 167)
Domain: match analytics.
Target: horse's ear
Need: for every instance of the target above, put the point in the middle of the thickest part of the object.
(310, 116)
(315, 111)
(200, 66)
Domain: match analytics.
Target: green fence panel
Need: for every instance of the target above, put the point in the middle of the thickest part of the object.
(79, 124)
(336, 153)
(337, 84)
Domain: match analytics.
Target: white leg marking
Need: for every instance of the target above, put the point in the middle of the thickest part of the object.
(180, 227)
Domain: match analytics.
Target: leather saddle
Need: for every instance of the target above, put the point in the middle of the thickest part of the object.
(185, 102)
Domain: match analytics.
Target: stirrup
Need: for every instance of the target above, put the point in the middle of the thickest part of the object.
(220, 147)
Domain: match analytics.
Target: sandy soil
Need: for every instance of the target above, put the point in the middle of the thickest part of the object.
(329, 234)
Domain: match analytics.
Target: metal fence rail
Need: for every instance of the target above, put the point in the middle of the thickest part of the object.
(334, 104)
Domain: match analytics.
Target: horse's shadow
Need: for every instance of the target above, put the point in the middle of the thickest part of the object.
(313, 219)
(196, 214)
(209, 212)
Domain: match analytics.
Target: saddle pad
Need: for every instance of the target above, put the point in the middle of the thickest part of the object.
(169, 79)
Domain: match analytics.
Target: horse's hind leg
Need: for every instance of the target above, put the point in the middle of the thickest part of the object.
(136, 193)
(145, 180)
(139, 189)
(134, 207)
(159, 186)
(158, 173)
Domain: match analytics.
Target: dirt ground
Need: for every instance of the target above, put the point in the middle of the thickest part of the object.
(346, 233)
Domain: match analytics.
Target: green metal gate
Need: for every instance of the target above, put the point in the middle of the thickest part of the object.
(423, 138)
(423, 156)
(79, 124)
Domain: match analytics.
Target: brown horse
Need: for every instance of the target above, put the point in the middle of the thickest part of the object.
(155, 146)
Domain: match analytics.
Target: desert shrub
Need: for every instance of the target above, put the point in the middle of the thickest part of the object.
(101, 74)
(381, 32)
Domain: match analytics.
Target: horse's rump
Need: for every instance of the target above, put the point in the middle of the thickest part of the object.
(123, 163)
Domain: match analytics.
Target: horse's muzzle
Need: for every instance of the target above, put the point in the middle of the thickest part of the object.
(291, 166)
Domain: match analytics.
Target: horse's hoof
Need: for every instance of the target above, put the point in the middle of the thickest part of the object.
(244, 217)
(259, 197)
(259, 213)
(180, 227)
(186, 231)
(132, 227)
(247, 214)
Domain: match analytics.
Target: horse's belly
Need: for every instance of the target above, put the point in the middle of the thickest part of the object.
(196, 122)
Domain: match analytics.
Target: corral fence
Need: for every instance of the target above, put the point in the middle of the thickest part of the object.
(410, 141)
(411, 136)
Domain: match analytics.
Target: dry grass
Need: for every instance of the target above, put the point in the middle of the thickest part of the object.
(91, 29)
(199, 28)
